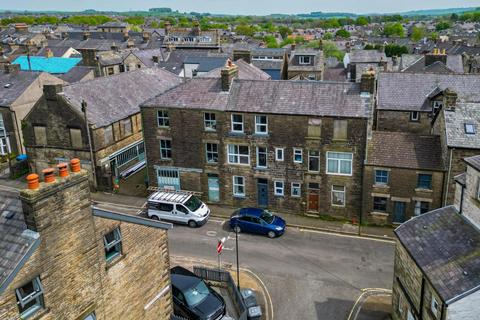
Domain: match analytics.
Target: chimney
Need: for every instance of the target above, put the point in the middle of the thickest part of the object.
(449, 99)
(86, 35)
(155, 59)
(48, 53)
(196, 28)
(130, 44)
(114, 46)
(246, 55)
(50, 91)
(367, 82)
(168, 27)
(294, 46)
(12, 68)
(228, 73)
(435, 56)
(126, 36)
(146, 37)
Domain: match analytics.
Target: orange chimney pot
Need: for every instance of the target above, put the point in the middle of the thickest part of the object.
(32, 181)
(49, 175)
(75, 165)
(62, 170)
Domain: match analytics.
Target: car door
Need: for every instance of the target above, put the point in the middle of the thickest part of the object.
(245, 223)
(183, 215)
(180, 306)
(256, 225)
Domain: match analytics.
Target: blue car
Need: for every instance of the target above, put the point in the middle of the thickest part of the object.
(255, 220)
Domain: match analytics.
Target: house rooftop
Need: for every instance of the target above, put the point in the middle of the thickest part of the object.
(366, 56)
(405, 150)
(50, 65)
(474, 162)
(465, 117)
(13, 85)
(446, 247)
(246, 71)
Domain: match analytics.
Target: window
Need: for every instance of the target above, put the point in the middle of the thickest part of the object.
(261, 157)
(126, 127)
(338, 196)
(182, 209)
(237, 123)
(90, 316)
(379, 204)
(30, 298)
(340, 129)
(112, 243)
(212, 152)
(304, 60)
(421, 207)
(238, 154)
(40, 133)
(279, 188)
(296, 189)
(162, 118)
(381, 177)
(424, 181)
(436, 105)
(297, 155)
(165, 149)
(108, 135)
(210, 121)
(279, 154)
(76, 138)
(313, 161)
(161, 206)
(339, 163)
(110, 71)
(470, 128)
(410, 315)
(261, 126)
(314, 128)
(434, 305)
(238, 186)
(414, 116)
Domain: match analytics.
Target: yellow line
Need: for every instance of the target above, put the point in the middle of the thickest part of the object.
(346, 235)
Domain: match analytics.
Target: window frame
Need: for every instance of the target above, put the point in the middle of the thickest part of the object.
(414, 118)
(293, 187)
(167, 149)
(344, 192)
(235, 185)
(301, 60)
(310, 156)
(211, 153)
(419, 206)
(257, 151)
(295, 154)
(282, 188)
(434, 309)
(117, 243)
(122, 126)
(283, 154)
(210, 124)
(43, 127)
(238, 155)
(468, 126)
(381, 183)
(259, 124)
(339, 161)
(380, 210)
(165, 118)
(37, 296)
(233, 123)
(419, 183)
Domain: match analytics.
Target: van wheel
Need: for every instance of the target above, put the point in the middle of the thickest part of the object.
(271, 234)
(154, 218)
(192, 224)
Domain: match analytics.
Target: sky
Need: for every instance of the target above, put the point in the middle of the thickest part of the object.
(243, 7)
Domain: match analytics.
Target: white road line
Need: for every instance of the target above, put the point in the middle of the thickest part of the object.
(346, 235)
(267, 294)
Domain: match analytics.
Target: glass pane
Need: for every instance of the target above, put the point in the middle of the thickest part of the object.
(332, 166)
(345, 167)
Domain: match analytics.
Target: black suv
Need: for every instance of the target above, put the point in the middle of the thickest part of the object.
(193, 298)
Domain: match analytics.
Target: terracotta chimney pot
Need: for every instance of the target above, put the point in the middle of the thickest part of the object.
(75, 165)
(32, 181)
(62, 170)
(49, 175)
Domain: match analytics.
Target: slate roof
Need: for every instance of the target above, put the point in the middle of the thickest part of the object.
(12, 85)
(454, 64)
(268, 64)
(174, 60)
(57, 51)
(76, 74)
(335, 74)
(268, 51)
(366, 56)
(404, 150)
(206, 64)
(108, 101)
(146, 56)
(461, 178)
(245, 71)
(446, 247)
(109, 58)
(404, 91)
(465, 113)
(474, 162)
(17, 243)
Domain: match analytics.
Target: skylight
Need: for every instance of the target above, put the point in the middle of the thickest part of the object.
(470, 128)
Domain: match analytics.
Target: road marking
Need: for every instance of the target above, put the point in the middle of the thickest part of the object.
(269, 303)
(212, 233)
(229, 249)
(365, 291)
(346, 235)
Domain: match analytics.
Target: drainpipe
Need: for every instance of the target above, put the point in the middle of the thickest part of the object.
(460, 211)
(448, 177)
(18, 133)
(92, 158)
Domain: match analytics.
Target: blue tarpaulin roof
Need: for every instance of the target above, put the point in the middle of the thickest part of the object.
(50, 65)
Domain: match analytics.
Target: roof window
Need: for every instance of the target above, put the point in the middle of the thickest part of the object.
(470, 128)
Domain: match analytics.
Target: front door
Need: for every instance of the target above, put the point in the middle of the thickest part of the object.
(398, 212)
(262, 187)
(213, 189)
(313, 201)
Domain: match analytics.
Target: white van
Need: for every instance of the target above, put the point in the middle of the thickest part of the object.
(180, 207)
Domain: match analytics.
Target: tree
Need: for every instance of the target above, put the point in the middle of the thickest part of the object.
(443, 25)
(270, 41)
(342, 33)
(433, 36)
(393, 29)
(418, 33)
(284, 31)
(330, 50)
(245, 29)
(327, 36)
(362, 21)
(136, 20)
(396, 50)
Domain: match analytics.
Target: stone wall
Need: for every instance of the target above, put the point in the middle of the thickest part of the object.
(471, 203)
(387, 120)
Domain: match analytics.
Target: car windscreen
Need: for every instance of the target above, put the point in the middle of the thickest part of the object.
(267, 216)
(193, 203)
(196, 294)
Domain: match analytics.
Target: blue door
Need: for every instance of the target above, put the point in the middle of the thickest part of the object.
(398, 212)
(262, 187)
(213, 189)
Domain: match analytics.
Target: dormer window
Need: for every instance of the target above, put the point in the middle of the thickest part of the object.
(304, 60)
(436, 105)
(470, 128)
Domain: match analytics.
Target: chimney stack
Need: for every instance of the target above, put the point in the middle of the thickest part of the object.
(449, 99)
(367, 82)
(12, 68)
(246, 55)
(196, 28)
(50, 91)
(48, 53)
(146, 36)
(86, 35)
(228, 73)
(435, 56)
(168, 27)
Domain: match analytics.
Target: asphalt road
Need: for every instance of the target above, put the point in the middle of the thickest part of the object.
(309, 275)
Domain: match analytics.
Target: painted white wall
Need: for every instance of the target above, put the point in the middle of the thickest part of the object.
(467, 308)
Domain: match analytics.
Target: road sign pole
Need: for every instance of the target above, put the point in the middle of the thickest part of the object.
(236, 252)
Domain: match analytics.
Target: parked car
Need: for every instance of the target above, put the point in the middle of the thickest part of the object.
(255, 220)
(180, 207)
(193, 298)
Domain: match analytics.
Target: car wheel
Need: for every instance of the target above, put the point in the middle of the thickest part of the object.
(192, 224)
(154, 218)
(237, 229)
(271, 234)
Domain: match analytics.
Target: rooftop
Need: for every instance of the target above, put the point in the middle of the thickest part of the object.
(245, 71)
(474, 162)
(366, 56)
(446, 247)
(456, 126)
(50, 65)
(12, 85)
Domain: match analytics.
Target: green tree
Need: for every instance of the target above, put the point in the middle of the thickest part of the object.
(284, 31)
(331, 50)
(443, 25)
(270, 41)
(392, 50)
(245, 29)
(328, 36)
(362, 21)
(393, 29)
(136, 20)
(433, 36)
(342, 33)
(418, 33)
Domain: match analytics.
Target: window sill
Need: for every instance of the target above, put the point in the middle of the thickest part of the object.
(260, 135)
(338, 206)
(260, 168)
(210, 131)
(423, 190)
(211, 163)
(279, 195)
(114, 261)
(378, 213)
(37, 314)
(381, 186)
(236, 196)
(239, 164)
(339, 174)
(236, 134)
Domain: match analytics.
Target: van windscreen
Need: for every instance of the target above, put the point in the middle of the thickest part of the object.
(193, 204)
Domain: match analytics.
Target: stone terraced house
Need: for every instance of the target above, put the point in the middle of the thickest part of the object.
(290, 145)
(62, 259)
